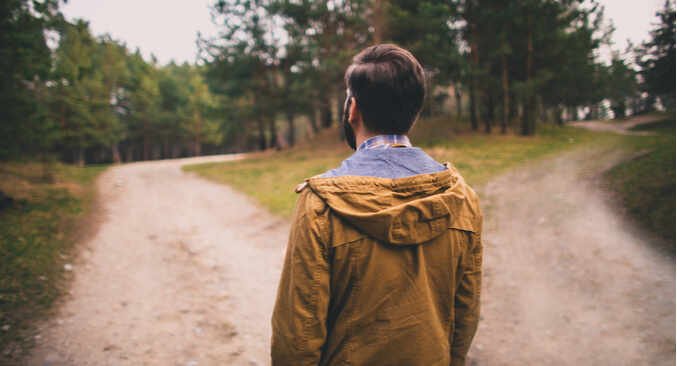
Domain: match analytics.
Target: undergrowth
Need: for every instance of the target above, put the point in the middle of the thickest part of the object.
(647, 185)
(36, 242)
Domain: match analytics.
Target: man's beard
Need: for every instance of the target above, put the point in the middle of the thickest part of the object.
(348, 128)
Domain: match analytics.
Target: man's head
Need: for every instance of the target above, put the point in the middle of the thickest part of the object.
(388, 85)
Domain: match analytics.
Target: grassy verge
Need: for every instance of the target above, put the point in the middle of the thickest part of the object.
(480, 156)
(647, 185)
(36, 242)
(271, 177)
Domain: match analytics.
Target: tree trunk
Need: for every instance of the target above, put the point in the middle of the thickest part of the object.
(488, 110)
(292, 128)
(262, 133)
(378, 22)
(62, 119)
(115, 151)
(272, 131)
(527, 117)
(198, 133)
(558, 116)
(475, 60)
(146, 142)
(326, 114)
(506, 101)
(79, 157)
(431, 97)
(340, 100)
(473, 108)
(312, 119)
(504, 67)
(459, 100)
(129, 154)
(512, 108)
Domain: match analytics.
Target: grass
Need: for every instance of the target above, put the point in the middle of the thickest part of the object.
(647, 185)
(480, 156)
(36, 241)
(270, 177)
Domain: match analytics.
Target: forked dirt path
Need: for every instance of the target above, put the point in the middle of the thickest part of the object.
(184, 272)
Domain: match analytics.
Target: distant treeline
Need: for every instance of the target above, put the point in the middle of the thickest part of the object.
(278, 65)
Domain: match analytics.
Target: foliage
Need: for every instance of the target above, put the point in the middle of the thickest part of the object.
(277, 68)
(657, 57)
(24, 69)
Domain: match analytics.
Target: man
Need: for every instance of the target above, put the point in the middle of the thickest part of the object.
(383, 264)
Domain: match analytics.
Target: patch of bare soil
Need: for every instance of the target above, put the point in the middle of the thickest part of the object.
(568, 280)
(181, 272)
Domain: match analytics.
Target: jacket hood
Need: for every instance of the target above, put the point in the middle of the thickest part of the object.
(402, 211)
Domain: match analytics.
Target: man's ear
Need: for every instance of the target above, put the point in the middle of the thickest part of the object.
(354, 112)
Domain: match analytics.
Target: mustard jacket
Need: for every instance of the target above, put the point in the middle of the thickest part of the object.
(380, 271)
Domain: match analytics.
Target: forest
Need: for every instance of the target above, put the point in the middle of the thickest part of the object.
(274, 74)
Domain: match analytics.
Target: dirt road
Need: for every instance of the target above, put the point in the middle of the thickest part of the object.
(619, 127)
(184, 272)
(568, 281)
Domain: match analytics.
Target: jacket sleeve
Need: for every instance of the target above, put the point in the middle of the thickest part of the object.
(299, 317)
(467, 300)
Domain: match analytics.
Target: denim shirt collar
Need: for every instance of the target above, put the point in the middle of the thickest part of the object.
(385, 141)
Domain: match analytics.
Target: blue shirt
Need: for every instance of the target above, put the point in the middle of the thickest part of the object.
(376, 160)
(385, 141)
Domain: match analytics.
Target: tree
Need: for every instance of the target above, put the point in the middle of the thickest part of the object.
(246, 62)
(533, 53)
(111, 72)
(620, 85)
(657, 57)
(25, 125)
(424, 29)
(71, 104)
(200, 125)
(571, 74)
(175, 93)
(144, 98)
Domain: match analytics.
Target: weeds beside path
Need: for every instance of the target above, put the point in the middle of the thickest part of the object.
(37, 233)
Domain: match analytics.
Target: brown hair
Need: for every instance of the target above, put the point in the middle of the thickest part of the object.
(388, 85)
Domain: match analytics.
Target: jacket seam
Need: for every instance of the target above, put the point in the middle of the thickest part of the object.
(351, 304)
(478, 273)
(315, 291)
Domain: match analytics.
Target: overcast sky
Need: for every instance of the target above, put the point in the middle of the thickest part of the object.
(168, 28)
